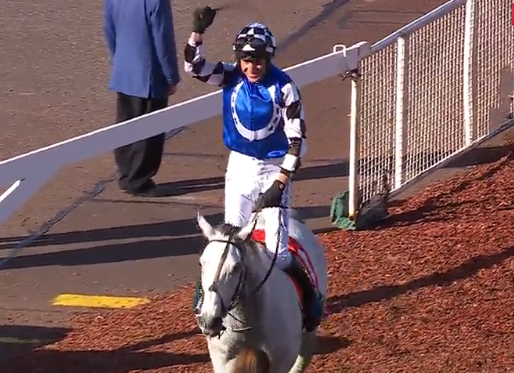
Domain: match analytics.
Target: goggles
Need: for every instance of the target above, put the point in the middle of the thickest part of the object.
(250, 49)
(251, 56)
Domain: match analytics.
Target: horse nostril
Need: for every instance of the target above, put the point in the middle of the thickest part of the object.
(217, 322)
(214, 322)
(211, 326)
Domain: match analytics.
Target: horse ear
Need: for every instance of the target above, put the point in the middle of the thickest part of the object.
(245, 232)
(204, 225)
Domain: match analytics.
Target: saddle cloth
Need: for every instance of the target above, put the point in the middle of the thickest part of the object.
(296, 249)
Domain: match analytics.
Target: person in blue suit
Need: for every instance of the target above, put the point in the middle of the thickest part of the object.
(264, 129)
(144, 73)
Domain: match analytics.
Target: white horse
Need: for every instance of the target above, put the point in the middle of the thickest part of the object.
(250, 312)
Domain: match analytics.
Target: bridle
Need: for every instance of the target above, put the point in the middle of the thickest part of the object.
(238, 295)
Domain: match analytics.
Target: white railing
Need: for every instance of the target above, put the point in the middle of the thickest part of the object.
(29, 172)
(427, 92)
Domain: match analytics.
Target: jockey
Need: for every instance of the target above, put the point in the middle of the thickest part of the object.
(264, 128)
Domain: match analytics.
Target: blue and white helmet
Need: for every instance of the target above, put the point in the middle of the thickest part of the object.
(254, 39)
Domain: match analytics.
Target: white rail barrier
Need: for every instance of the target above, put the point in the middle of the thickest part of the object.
(30, 171)
(428, 92)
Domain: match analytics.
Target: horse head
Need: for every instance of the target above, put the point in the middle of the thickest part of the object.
(223, 272)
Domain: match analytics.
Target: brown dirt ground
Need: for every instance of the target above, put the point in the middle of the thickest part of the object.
(428, 291)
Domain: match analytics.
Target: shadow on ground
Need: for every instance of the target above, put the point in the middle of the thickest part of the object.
(328, 9)
(165, 239)
(21, 339)
(125, 359)
(335, 170)
(329, 344)
(130, 358)
(425, 160)
(424, 212)
(478, 156)
(467, 269)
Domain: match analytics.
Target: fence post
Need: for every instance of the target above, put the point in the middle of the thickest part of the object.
(402, 61)
(468, 71)
(345, 206)
(353, 179)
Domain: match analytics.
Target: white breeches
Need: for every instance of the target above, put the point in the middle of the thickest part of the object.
(246, 178)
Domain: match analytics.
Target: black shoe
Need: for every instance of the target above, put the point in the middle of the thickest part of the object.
(153, 190)
(312, 300)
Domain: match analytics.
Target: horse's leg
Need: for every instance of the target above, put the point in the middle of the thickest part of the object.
(307, 349)
(219, 363)
(218, 354)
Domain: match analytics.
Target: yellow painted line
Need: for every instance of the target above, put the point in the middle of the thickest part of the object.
(97, 301)
(11, 340)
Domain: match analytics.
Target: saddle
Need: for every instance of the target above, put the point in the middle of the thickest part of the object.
(296, 249)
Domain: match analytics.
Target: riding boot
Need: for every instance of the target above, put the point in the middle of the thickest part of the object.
(312, 299)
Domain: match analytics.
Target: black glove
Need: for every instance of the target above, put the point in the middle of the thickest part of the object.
(272, 197)
(203, 18)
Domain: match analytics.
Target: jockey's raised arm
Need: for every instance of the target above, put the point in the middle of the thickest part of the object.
(197, 66)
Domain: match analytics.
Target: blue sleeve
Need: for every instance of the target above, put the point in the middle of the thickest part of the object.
(161, 19)
(109, 30)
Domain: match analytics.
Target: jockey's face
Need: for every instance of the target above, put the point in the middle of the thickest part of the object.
(254, 69)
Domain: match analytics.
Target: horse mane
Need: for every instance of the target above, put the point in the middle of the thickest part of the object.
(227, 229)
(249, 246)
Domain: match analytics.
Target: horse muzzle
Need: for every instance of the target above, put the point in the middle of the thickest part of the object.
(212, 326)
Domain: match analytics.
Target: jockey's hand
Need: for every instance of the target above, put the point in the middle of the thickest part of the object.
(203, 18)
(273, 196)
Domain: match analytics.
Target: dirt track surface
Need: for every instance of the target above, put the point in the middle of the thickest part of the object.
(430, 290)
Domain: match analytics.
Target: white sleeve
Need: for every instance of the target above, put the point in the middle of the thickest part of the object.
(294, 127)
(198, 67)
